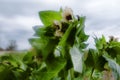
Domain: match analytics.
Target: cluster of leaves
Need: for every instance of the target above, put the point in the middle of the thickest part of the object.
(60, 52)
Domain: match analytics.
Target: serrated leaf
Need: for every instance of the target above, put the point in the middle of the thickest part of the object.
(100, 43)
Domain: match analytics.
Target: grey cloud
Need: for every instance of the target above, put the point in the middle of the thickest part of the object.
(14, 32)
(20, 36)
(10, 9)
(101, 24)
(102, 17)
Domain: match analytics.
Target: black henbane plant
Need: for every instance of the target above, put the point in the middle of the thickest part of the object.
(59, 53)
(60, 42)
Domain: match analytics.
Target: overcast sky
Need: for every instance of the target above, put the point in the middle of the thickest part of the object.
(17, 17)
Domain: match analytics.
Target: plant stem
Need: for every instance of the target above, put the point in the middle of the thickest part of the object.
(91, 73)
(62, 43)
(72, 74)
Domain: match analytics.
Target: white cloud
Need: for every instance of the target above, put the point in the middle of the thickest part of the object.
(18, 28)
(103, 8)
(25, 21)
(102, 16)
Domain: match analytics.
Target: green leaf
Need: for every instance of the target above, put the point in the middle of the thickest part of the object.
(54, 66)
(100, 63)
(80, 36)
(63, 42)
(118, 59)
(13, 60)
(100, 43)
(44, 46)
(48, 17)
(91, 57)
(79, 78)
(94, 60)
(80, 26)
(113, 49)
(6, 73)
(44, 31)
(28, 57)
(12, 66)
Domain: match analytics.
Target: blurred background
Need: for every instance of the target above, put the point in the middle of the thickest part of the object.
(17, 18)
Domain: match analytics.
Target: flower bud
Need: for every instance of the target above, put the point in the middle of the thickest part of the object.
(67, 14)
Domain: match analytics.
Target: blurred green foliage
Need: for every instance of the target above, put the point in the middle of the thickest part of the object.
(59, 52)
